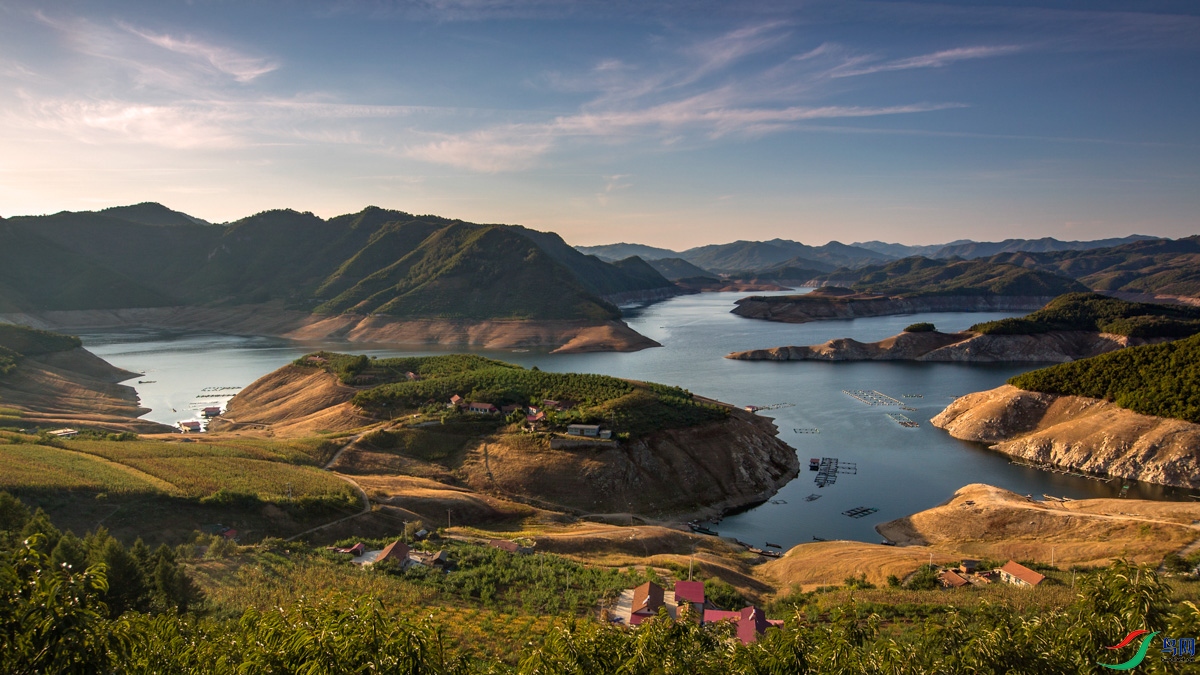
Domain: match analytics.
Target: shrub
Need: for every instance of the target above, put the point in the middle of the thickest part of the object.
(921, 327)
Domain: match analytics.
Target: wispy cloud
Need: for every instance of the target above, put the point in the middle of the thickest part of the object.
(934, 60)
(701, 95)
(240, 67)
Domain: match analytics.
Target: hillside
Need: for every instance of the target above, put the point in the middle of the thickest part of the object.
(917, 277)
(1098, 313)
(1078, 433)
(1161, 267)
(372, 263)
(48, 380)
(670, 452)
(678, 268)
(1161, 380)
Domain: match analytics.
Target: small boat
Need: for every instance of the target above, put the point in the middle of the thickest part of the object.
(887, 542)
(816, 538)
(146, 381)
(770, 545)
(762, 552)
(700, 529)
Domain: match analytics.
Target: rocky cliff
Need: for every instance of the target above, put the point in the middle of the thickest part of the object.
(1074, 432)
(820, 307)
(1053, 347)
(717, 466)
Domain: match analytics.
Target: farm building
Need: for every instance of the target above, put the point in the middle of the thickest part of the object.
(1019, 575)
(485, 408)
(583, 429)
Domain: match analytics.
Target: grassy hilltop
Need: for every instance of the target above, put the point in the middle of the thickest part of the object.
(920, 277)
(1093, 312)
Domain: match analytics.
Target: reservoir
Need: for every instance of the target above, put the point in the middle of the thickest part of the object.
(897, 470)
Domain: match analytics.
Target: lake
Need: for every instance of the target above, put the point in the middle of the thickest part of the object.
(898, 470)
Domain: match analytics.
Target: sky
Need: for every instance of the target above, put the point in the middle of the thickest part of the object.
(669, 123)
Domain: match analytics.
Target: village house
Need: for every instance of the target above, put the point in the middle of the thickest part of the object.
(484, 408)
(535, 419)
(211, 411)
(64, 433)
(456, 401)
(751, 622)
(189, 426)
(1019, 575)
(399, 553)
(510, 408)
(967, 566)
(592, 430)
(647, 600)
(510, 546)
(952, 579)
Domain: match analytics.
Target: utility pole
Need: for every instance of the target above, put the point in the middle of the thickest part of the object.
(447, 519)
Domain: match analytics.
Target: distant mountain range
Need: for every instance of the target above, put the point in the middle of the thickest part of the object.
(753, 257)
(374, 262)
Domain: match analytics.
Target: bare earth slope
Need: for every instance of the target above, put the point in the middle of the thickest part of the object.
(272, 320)
(1053, 347)
(292, 401)
(73, 388)
(1084, 434)
(983, 521)
(716, 466)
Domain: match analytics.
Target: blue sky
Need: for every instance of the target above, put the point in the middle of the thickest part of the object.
(672, 123)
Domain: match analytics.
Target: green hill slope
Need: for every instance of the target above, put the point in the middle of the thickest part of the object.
(1162, 380)
(1165, 266)
(17, 341)
(1093, 312)
(917, 276)
(376, 260)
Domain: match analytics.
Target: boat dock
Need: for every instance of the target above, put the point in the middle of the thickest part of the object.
(871, 397)
(827, 472)
(812, 498)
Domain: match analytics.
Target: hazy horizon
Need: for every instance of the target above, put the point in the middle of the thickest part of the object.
(676, 125)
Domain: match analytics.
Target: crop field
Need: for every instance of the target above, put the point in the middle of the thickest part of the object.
(39, 467)
(270, 471)
(296, 451)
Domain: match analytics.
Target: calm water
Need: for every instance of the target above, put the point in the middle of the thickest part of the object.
(899, 470)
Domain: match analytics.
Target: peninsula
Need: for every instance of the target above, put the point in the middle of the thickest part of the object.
(1071, 327)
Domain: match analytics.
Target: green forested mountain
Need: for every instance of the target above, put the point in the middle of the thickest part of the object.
(1094, 312)
(374, 261)
(1162, 379)
(917, 276)
(678, 268)
(1170, 267)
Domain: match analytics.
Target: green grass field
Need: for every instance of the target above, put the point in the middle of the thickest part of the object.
(264, 469)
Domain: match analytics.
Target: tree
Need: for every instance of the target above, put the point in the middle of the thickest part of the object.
(70, 551)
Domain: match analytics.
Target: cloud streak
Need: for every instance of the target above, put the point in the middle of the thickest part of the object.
(934, 60)
(225, 60)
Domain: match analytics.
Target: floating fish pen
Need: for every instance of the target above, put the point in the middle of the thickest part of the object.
(778, 501)
(815, 497)
(827, 473)
(773, 406)
(859, 512)
(903, 420)
(904, 407)
(806, 431)
(870, 397)
(220, 389)
(912, 396)
(850, 468)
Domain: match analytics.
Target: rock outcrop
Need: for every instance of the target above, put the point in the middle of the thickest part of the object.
(1078, 433)
(711, 468)
(1053, 347)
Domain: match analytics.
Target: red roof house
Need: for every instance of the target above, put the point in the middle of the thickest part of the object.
(397, 550)
(505, 545)
(952, 579)
(751, 622)
(1020, 575)
(456, 400)
(647, 599)
(487, 408)
(689, 591)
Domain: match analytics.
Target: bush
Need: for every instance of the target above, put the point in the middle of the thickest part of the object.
(921, 327)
